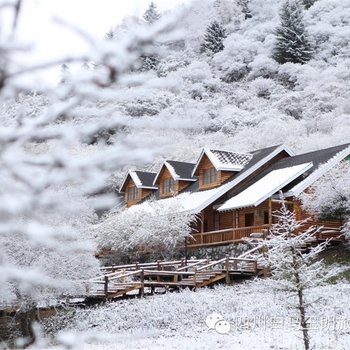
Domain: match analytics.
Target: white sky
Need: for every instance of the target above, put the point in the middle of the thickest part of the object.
(52, 40)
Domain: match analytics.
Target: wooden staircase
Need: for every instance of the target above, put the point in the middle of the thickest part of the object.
(117, 281)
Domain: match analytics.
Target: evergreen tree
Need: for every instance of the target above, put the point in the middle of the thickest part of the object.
(213, 38)
(244, 4)
(292, 43)
(151, 15)
(296, 266)
(308, 3)
(148, 63)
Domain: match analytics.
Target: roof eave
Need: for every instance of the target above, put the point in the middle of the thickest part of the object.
(319, 172)
(124, 182)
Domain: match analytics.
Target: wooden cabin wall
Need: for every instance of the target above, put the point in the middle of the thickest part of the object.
(221, 176)
(302, 214)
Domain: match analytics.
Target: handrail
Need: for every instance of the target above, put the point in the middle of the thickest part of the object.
(167, 273)
(264, 226)
(251, 251)
(192, 265)
(211, 264)
(123, 275)
(147, 265)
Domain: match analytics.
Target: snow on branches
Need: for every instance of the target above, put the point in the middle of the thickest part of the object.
(150, 227)
(296, 265)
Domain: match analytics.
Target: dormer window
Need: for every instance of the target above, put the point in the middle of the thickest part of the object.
(133, 193)
(168, 185)
(209, 176)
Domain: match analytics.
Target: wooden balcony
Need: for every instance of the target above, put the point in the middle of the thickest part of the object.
(225, 236)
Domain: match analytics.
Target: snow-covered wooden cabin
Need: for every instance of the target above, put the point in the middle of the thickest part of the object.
(235, 194)
(136, 186)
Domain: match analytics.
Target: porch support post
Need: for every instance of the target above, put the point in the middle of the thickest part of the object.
(202, 227)
(270, 212)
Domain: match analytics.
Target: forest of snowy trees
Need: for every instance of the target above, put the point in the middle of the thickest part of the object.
(226, 74)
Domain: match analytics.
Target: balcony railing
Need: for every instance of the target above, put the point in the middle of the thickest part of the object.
(225, 236)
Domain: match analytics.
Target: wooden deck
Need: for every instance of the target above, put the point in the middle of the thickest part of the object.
(235, 235)
(116, 281)
(226, 236)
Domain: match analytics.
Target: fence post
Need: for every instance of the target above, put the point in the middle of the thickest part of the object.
(195, 278)
(123, 276)
(227, 266)
(255, 267)
(106, 286)
(142, 280)
(235, 264)
(158, 268)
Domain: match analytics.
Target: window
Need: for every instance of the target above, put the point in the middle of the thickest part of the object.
(209, 176)
(266, 217)
(249, 219)
(133, 193)
(168, 185)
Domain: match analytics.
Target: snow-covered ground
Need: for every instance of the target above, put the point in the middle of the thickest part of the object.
(260, 318)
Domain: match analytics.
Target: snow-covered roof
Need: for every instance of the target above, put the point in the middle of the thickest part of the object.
(265, 187)
(323, 161)
(224, 160)
(178, 170)
(194, 201)
(141, 179)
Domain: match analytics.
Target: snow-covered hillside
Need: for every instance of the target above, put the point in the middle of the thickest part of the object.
(240, 98)
(258, 317)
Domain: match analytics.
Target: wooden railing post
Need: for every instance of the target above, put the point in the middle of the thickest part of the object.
(158, 268)
(123, 276)
(106, 286)
(255, 266)
(227, 267)
(195, 278)
(235, 264)
(142, 280)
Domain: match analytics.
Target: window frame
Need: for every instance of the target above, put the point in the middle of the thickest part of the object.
(209, 176)
(133, 193)
(168, 185)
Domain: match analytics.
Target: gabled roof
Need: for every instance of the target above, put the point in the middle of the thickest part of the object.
(203, 199)
(141, 179)
(265, 187)
(178, 170)
(224, 160)
(323, 160)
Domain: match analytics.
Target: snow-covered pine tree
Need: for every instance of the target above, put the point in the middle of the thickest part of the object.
(151, 15)
(213, 38)
(292, 43)
(308, 3)
(244, 4)
(296, 267)
(148, 63)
